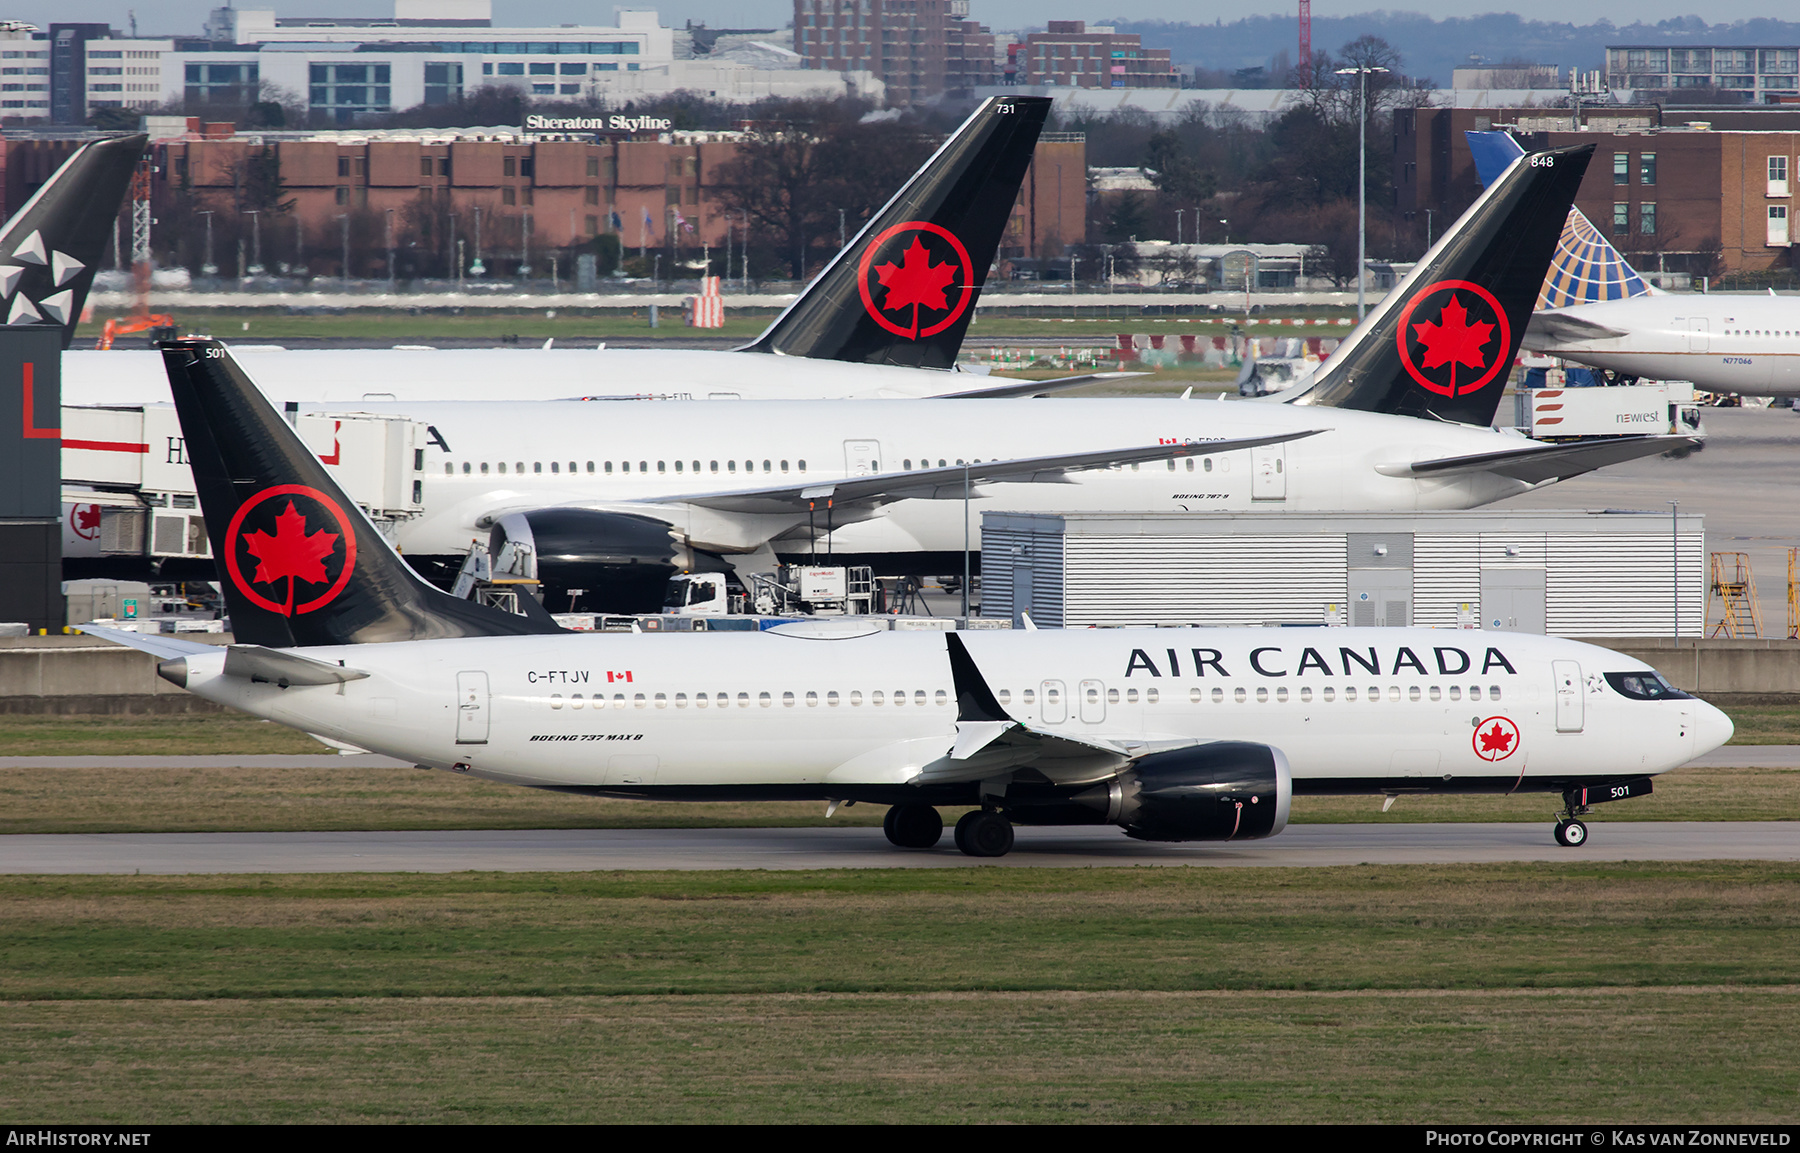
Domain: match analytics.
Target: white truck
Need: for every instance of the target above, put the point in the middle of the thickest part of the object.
(790, 589)
(1666, 408)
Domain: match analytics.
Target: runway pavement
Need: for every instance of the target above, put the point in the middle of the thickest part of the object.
(580, 850)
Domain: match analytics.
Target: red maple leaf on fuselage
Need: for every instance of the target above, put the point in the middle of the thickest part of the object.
(87, 516)
(1496, 740)
(1453, 340)
(916, 281)
(292, 552)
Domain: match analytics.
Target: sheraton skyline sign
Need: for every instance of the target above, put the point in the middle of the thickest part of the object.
(617, 122)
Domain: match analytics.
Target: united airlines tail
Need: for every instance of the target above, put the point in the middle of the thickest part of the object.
(1441, 344)
(904, 290)
(1586, 267)
(298, 561)
(51, 247)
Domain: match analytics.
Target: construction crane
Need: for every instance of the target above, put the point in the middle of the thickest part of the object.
(1304, 75)
(141, 318)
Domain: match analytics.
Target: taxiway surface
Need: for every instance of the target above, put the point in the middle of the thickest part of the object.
(580, 850)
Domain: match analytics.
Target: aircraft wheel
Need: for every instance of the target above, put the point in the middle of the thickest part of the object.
(913, 826)
(1571, 833)
(984, 834)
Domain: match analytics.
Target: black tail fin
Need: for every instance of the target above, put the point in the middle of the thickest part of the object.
(1440, 346)
(50, 248)
(903, 291)
(299, 563)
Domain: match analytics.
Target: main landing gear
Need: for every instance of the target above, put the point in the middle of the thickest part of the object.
(984, 833)
(914, 826)
(980, 833)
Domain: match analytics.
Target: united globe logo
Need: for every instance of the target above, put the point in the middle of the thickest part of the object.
(290, 549)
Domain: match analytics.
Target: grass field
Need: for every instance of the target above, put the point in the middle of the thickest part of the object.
(1400, 994)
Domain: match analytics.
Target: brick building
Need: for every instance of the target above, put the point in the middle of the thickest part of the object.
(1073, 55)
(1666, 186)
(917, 48)
(535, 198)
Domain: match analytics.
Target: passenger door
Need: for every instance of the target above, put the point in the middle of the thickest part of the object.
(471, 708)
(1056, 702)
(1568, 695)
(862, 457)
(1268, 472)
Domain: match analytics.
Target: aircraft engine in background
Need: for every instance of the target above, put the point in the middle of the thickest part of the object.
(621, 562)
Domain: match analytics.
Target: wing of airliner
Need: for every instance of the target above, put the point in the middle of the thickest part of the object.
(1007, 388)
(989, 742)
(952, 482)
(1538, 462)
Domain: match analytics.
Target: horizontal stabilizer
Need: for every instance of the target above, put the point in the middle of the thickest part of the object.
(157, 645)
(1540, 462)
(948, 483)
(1548, 329)
(255, 663)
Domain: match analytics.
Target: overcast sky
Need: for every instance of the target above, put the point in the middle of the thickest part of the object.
(188, 16)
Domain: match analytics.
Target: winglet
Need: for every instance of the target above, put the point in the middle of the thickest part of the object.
(974, 700)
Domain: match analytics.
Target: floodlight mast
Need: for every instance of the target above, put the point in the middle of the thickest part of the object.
(1362, 176)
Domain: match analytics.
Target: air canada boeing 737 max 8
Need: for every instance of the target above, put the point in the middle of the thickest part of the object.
(1175, 735)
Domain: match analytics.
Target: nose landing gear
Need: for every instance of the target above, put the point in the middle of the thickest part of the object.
(1571, 832)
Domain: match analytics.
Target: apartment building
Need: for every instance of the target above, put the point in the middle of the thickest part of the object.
(917, 48)
(1071, 54)
(1761, 75)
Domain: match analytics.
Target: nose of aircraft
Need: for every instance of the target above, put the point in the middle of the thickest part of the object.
(1712, 728)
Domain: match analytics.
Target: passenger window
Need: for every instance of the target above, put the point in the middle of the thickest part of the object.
(1030, 696)
(766, 467)
(1150, 696)
(942, 698)
(700, 700)
(1394, 693)
(1493, 692)
(662, 700)
(802, 466)
(1209, 464)
(1328, 694)
(484, 468)
(502, 467)
(572, 467)
(637, 701)
(1130, 696)
(677, 466)
(1474, 692)
(784, 467)
(907, 464)
(556, 700)
(449, 469)
(643, 466)
(1195, 696)
(1437, 694)
(618, 700)
(831, 699)
(519, 468)
(764, 700)
(1112, 696)
(1456, 692)
(1262, 695)
(1006, 696)
(1190, 464)
(553, 467)
(1412, 692)
(743, 700)
(681, 700)
(662, 466)
(1239, 695)
(812, 700)
(696, 466)
(787, 700)
(608, 468)
(855, 699)
(875, 698)
(919, 697)
(1218, 696)
(575, 700)
(715, 466)
(591, 467)
(1350, 692)
(537, 466)
(1281, 694)
(1305, 694)
(731, 466)
(466, 468)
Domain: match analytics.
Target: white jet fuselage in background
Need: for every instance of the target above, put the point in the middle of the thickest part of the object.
(351, 376)
(641, 713)
(746, 445)
(1722, 343)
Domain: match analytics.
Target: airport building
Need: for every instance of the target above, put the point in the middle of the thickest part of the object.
(1758, 74)
(918, 48)
(1677, 190)
(429, 52)
(1071, 54)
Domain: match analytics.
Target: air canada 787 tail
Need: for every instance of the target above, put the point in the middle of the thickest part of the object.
(903, 290)
(1441, 344)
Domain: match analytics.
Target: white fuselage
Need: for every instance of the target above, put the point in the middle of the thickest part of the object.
(1722, 343)
(727, 711)
(515, 457)
(353, 375)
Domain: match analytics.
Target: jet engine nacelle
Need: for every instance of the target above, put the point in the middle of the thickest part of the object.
(620, 561)
(1225, 791)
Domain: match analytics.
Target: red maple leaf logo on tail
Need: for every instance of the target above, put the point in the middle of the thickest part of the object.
(1453, 340)
(292, 552)
(916, 281)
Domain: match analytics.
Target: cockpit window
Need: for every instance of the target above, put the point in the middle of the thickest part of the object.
(1645, 687)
